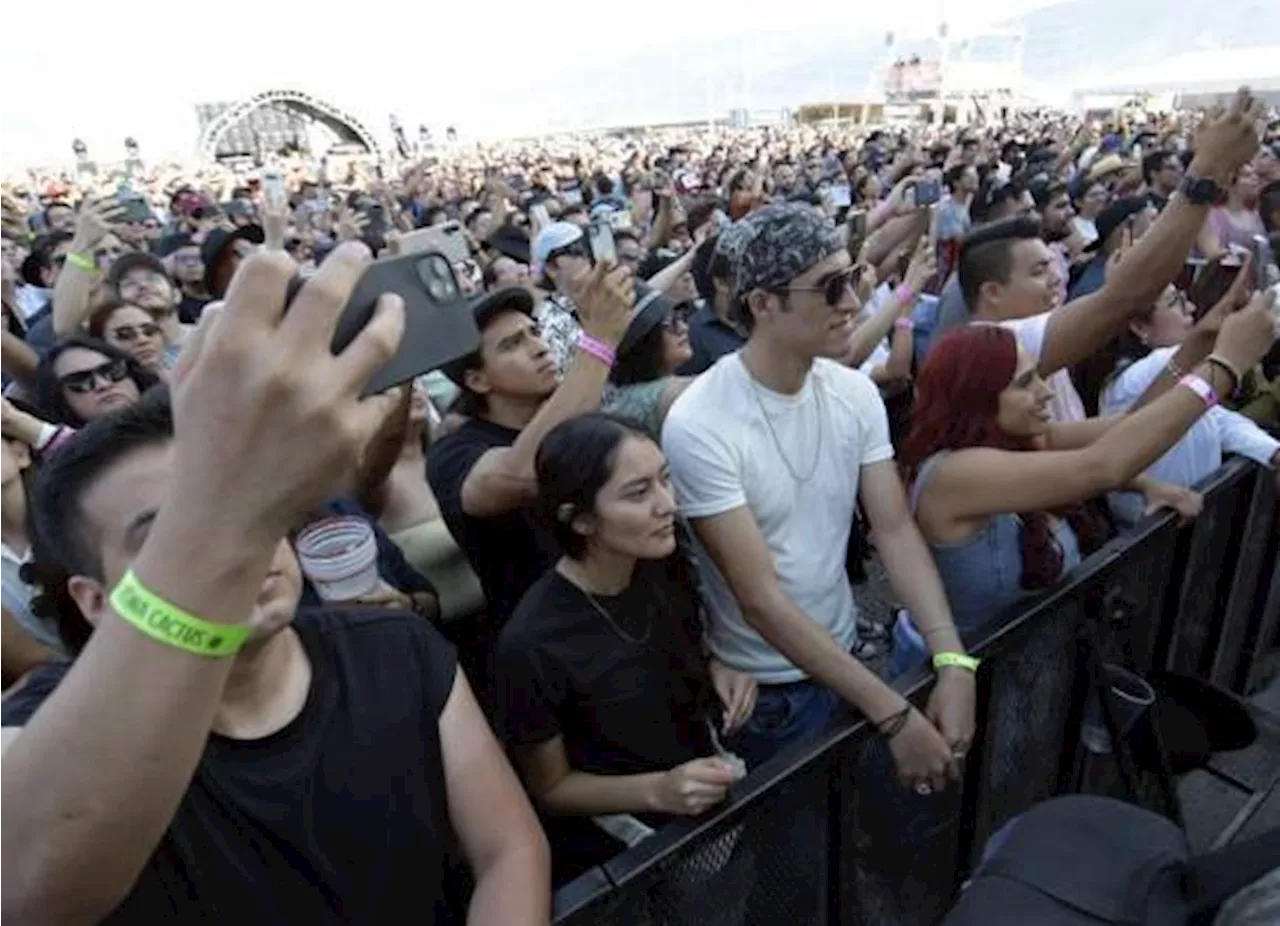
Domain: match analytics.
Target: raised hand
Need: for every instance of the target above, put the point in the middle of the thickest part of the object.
(1227, 139)
(255, 385)
(97, 219)
(604, 296)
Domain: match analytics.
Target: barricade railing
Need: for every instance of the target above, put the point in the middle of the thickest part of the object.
(822, 834)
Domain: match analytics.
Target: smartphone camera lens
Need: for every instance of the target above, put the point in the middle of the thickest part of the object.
(436, 277)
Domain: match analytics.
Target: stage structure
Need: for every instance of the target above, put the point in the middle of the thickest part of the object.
(276, 120)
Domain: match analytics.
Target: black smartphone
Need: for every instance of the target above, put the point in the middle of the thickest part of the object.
(438, 323)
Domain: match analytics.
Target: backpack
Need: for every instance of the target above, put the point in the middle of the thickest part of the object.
(1082, 860)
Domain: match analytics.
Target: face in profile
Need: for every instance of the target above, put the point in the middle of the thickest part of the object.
(635, 509)
(118, 510)
(1023, 407)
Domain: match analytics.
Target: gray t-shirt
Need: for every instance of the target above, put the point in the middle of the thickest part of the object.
(17, 601)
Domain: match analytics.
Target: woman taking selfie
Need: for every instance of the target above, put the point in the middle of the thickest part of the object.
(997, 485)
(606, 698)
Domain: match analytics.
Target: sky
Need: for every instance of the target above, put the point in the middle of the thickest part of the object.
(489, 67)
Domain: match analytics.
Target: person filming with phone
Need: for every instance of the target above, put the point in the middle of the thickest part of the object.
(213, 753)
(482, 474)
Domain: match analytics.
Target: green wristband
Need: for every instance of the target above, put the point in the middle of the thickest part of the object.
(165, 622)
(959, 660)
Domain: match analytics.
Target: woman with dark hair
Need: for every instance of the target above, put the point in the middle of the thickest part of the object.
(1139, 355)
(997, 485)
(132, 329)
(655, 345)
(1235, 222)
(82, 379)
(606, 696)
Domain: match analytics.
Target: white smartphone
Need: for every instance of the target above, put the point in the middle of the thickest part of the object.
(600, 238)
(273, 190)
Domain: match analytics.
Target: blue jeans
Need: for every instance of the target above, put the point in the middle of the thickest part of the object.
(784, 715)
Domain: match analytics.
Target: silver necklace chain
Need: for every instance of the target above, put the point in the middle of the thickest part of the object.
(635, 641)
(777, 444)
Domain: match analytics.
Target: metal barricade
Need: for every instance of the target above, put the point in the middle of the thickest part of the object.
(821, 834)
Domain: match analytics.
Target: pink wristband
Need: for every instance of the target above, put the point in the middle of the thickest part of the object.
(598, 349)
(1200, 388)
(904, 293)
(904, 324)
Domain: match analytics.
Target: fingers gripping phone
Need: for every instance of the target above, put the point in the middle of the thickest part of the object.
(438, 322)
(600, 241)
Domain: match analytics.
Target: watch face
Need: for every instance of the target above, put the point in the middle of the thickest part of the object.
(1200, 190)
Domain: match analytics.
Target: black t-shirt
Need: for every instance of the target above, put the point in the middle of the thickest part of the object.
(341, 817)
(508, 551)
(191, 308)
(622, 708)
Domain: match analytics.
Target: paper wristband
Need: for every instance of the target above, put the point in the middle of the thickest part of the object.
(598, 349)
(165, 622)
(959, 660)
(1200, 388)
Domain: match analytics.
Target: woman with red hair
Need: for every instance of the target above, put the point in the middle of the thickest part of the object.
(997, 485)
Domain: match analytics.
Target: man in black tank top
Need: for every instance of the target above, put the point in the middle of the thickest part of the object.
(334, 766)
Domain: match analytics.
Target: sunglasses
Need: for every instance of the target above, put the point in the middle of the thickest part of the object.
(835, 286)
(113, 371)
(129, 333)
(577, 249)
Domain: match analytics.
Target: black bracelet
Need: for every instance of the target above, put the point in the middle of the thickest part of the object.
(892, 725)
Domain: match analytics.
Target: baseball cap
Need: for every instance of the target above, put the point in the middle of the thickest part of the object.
(773, 245)
(1114, 216)
(555, 236)
(134, 260)
(485, 307)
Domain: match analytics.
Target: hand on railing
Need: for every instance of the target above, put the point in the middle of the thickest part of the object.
(689, 789)
(923, 758)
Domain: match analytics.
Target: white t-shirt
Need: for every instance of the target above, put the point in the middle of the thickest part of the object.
(723, 455)
(1066, 404)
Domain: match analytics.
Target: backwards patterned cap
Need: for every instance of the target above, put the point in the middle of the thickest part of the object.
(772, 246)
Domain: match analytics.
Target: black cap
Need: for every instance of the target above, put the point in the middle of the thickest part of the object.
(134, 260)
(216, 245)
(1114, 216)
(652, 307)
(485, 307)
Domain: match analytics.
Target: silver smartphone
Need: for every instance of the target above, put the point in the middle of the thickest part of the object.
(600, 239)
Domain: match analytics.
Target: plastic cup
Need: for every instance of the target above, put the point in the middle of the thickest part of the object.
(1130, 697)
(340, 557)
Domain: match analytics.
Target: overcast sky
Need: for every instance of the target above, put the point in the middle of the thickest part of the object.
(139, 68)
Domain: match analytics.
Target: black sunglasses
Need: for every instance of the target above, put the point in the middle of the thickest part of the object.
(577, 249)
(113, 371)
(130, 332)
(835, 286)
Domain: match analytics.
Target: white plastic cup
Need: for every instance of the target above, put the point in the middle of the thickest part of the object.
(340, 557)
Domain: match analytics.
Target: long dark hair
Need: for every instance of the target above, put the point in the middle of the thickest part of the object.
(49, 390)
(957, 401)
(573, 463)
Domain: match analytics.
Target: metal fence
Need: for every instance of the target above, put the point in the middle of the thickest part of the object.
(822, 835)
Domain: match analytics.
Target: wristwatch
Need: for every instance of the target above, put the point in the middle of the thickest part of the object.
(1202, 191)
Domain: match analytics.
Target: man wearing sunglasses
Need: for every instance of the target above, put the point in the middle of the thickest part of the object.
(768, 451)
(560, 253)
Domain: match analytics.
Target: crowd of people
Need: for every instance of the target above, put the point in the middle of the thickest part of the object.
(620, 546)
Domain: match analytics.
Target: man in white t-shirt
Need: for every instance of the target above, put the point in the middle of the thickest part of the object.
(770, 451)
